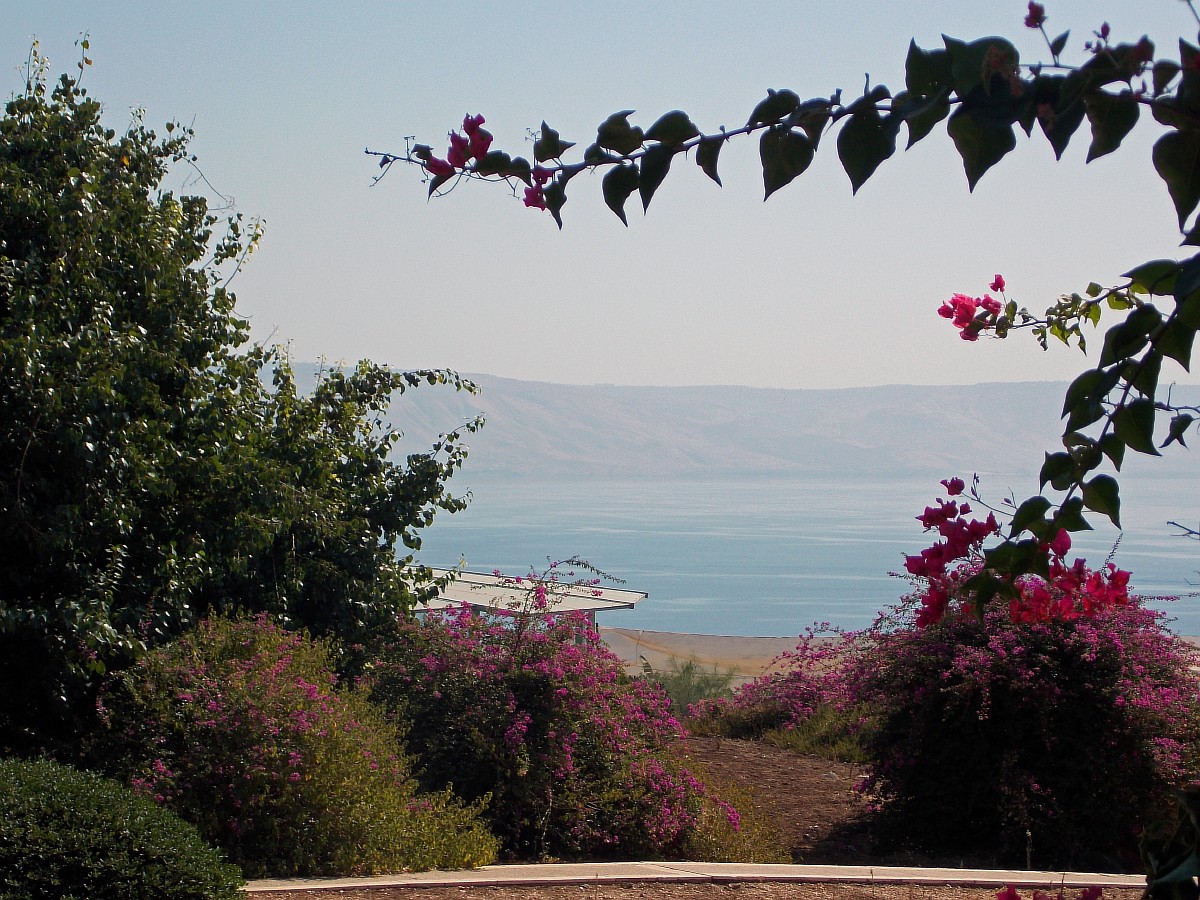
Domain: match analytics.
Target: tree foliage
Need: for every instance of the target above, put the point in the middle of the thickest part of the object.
(148, 473)
(987, 98)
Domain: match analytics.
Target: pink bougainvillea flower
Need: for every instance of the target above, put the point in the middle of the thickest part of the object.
(542, 176)
(1037, 15)
(535, 198)
(481, 142)
(990, 305)
(460, 150)
(1061, 543)
(437, 166)
(997, 284)
(953, 486)
(471, 124)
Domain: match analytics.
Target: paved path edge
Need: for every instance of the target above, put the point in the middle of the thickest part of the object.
(685, 872)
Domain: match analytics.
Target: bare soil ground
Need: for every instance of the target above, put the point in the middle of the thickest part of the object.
(813, 803)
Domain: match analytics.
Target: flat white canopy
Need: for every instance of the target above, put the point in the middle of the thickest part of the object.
(500, 592)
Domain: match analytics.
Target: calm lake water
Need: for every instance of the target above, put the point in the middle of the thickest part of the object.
(765, 556)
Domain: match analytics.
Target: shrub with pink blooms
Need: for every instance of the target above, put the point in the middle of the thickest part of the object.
(242, 729)
(532, 711)
(1053, 742)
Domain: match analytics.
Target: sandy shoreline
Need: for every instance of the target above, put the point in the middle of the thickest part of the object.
(745, 657)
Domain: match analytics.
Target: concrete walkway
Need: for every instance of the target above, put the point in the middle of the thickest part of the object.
(717, 873)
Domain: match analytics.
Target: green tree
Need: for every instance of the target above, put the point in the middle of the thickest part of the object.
(148, 473)
(986, 96)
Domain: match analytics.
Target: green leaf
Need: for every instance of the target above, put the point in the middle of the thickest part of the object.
(811, 117)
(1129, 337)
(436, 182)
(1133, 424)
(706, 157)
(1177, 161)
(616, 134)
(1058, 470)
(974, 64)
(1070, 517)
(980, 148)
(864, 142)
(1029, 513)
(1143, 374)
(1102, 495)
(1164, 73)
(549, 145)
(556, 197)
(1114, 448)
(1112, 118)
(1176, 341)
(1155, 277)
(520, 168)
(496, 162)
(618, 184)
(673, 129)
(655, 165)
(927, 72)
(776, 105)
(784, 155)
(1060, 126)
(1179, 426)
(1059, 44)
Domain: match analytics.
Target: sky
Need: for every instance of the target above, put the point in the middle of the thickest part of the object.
(814, 288)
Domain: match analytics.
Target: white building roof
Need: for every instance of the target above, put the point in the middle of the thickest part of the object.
(507, 593)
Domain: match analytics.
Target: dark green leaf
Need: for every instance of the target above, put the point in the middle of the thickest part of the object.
(549, 145)
(1060, 125)
(618, 184)
(673, 129)
(596, 154)
(980, 148)
(616, 134)
(1058, 470)
(1029, 513)
(927, 73)
(1112, 117)
(784, 155)
(436, 182)
(974, 64)
(1177, 161)
(1070, 516)
(1102, 495)
(1129, 337)
(1059, 44)
(1176, 340)
(496, 162)
(1164, 73)
(520, 168)
(1179, 426)
(706, 157)
(1114, 448)
(655, 165)
(1155, 277)
(921, 115)
(1133, 423)
(864, 142)
(811, 117)
(776, 105)
(1142, 374)
(556, 196)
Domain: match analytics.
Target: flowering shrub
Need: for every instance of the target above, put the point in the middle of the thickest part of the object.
(242, 729)
(1050, 730)
(1048, 741)
(531, 709)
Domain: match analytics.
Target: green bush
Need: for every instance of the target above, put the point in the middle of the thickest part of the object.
(66, 834)
(688, 683)
(241, 728)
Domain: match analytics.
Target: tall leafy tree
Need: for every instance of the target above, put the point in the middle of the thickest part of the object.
(154, 465)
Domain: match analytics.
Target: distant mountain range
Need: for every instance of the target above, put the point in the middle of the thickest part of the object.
(538, 428)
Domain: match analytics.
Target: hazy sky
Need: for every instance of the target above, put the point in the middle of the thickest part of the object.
(814, 288)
